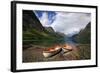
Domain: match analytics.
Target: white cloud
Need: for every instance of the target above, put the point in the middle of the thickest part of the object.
(69, 23)
(66, 22)
(44, 19)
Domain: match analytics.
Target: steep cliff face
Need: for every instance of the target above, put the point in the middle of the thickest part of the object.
(30, 21)
(84, 35)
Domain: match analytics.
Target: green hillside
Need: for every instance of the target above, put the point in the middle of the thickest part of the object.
(84, 36)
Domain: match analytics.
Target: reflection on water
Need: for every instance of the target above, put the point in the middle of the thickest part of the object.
(70, 40)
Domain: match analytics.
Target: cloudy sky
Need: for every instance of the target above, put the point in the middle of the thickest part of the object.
(64, 22)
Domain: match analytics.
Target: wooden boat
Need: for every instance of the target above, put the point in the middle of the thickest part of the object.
(66, 48)
(51, 51)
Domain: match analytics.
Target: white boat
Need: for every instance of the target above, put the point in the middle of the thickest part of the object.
(66, 48)
(51, 52)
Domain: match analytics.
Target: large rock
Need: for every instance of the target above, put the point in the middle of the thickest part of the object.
(50, 29)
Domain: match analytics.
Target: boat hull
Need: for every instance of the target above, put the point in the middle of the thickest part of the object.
(49, 54)
(66, 50)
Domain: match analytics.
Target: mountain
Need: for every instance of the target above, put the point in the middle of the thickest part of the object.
(61, 34)
(84, 36)
(52, 32)
(30, 21)
(32, 28)
(35, 33)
